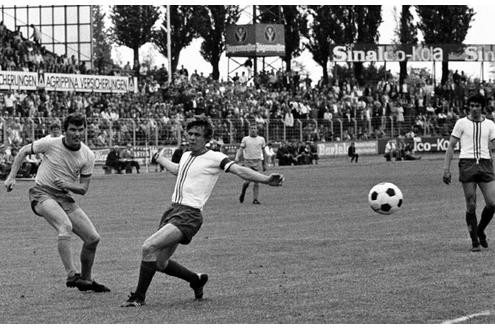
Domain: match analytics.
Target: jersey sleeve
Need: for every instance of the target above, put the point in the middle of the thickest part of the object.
(224, 161)
(40, 146)
(88, 167)
(492, 131)
(457, 131)
(243, 143)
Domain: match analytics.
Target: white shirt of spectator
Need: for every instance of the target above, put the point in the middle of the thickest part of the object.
(197, 176)
(253, 147)
(474, 137)
(59, 162)
(9, 100)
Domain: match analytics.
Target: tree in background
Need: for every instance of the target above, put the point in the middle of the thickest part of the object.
(183, 20)
(367, 19)
(211, 24)
(324, 23)
(444, 25)
(294, 19)
(406, 34)
(101, 47)
(133, 27)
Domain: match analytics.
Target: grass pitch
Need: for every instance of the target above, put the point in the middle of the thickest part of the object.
(313, 252)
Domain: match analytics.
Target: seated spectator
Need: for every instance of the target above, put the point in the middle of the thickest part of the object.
(113, 160)
(127, 156)
(409, 153)
(285, 156)
(351, 152)
(270, 160)
(390, 150)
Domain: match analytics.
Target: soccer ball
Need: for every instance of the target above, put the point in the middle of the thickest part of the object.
(385, 198)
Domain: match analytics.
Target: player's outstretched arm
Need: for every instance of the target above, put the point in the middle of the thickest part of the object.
(10, 181)
(274, 179)
(166, 163)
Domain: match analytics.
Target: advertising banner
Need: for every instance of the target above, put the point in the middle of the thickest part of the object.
(255, 40)
(413, 53)
(329, 149)
(11, 80)
(87, 83)
(422, 144)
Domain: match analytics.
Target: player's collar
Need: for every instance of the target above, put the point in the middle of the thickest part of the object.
(200, 152)
(482, 118)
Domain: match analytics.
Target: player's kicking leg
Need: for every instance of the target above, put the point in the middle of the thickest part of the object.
(84, 228)
(157, 250)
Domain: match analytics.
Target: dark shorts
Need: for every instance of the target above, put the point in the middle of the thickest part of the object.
(187, 219)
(470, 171)
(38, 194)
(254, 164)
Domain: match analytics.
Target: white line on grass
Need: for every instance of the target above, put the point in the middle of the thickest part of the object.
(467, 317)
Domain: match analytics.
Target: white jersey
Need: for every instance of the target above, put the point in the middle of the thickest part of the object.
(197, 176)
(253, 147)
(59, 162)
(474, 137)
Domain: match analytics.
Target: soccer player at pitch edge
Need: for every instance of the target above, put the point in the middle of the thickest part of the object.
(197, 172)
(476, 134)
(66, 168)
(252, 151)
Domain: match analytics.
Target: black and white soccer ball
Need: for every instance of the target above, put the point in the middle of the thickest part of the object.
(385, 198)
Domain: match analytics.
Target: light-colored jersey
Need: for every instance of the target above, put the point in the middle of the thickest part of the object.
(197, 176)
(474, 137)
(61, 162)
(253, 147)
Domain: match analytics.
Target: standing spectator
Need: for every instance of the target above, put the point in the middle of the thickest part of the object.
(351, 152)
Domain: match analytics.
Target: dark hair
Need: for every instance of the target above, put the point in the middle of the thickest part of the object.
(477, 98)
(77, 119)
(207, 127)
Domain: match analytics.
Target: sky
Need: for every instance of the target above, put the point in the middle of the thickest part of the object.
(481, 32)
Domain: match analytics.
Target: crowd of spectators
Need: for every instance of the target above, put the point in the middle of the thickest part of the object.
(275, 100)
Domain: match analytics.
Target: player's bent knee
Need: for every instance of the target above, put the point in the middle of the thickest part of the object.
(92, 242)
(65, 231)
(161, 265)
(148, 248)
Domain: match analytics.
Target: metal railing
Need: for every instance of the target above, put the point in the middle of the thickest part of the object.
(140, 132)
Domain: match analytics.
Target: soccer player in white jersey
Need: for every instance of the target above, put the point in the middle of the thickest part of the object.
(253, 151)
(476, 135)
(197, 173)
(66, 167)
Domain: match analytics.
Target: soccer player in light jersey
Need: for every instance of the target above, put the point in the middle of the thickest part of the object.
(197, 173)
(66, 167)
(476, 134)
(253, 151)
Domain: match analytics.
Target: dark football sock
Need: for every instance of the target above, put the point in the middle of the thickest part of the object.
(146, 273)
(486, 217)
(176, 270)
(472, 224)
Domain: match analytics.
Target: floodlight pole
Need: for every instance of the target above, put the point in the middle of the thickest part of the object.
(169, 46)
(255, 66)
